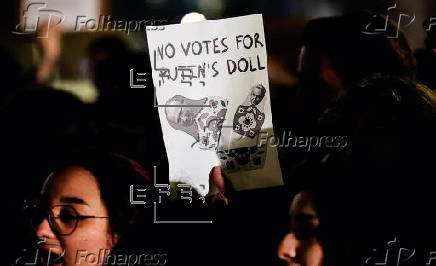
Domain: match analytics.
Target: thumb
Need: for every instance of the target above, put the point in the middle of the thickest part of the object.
(217, 178)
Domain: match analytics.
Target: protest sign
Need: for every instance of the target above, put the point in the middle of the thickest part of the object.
(212, 92)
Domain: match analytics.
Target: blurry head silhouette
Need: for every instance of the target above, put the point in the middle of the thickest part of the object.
(336, 54)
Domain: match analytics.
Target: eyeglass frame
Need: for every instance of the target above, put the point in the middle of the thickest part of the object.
(50, 216)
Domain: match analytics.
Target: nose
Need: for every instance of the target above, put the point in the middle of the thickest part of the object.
(43, 230)
(287, 250)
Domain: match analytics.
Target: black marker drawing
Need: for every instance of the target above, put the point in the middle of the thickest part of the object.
(249, 116)
(203, 123)
(243, 159)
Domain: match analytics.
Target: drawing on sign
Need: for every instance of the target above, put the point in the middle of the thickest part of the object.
(202, 119)
(243, 159)
(249, 116)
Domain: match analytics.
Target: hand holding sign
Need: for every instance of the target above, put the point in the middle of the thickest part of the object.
(212, 86)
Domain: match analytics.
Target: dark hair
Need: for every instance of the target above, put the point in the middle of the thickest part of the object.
(355, 55)
(261, 88)
(361, 204)
(115, 173)
(397, 106)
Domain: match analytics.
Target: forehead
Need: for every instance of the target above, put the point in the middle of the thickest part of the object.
(303, 203)
(74, 181)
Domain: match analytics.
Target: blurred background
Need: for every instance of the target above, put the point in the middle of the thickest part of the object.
(86, 100)
(280, 16)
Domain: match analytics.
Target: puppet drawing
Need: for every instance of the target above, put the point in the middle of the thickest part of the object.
(202, 119)
(250, 116)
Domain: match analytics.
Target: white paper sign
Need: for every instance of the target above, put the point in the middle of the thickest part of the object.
(212, 89)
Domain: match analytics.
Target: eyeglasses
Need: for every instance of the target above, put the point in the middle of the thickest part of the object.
(63, 219)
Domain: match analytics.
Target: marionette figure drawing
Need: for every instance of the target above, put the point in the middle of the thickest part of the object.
(202, 119)
(250, 116)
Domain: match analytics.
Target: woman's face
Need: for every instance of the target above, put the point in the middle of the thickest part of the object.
(301, 246)
(71, 193)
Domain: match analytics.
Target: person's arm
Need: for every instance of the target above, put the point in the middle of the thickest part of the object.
(49, 40)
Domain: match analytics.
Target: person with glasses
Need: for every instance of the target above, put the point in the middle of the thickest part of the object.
(84, 209)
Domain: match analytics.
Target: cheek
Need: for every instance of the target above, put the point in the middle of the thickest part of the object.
(313, 254)
(184, 116)
(87, 245)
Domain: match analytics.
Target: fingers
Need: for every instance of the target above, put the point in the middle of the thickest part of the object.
(220, 184)
(217, 178)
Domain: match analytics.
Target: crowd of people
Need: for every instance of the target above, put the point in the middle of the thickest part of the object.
(78, 161)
